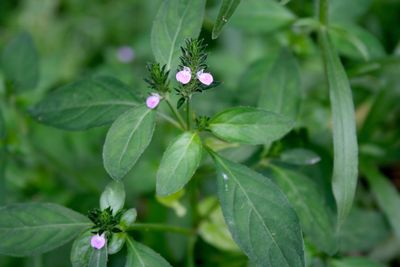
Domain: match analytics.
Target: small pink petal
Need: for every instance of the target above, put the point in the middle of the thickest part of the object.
(184, 76)
(205, 77)
(98, 241)
(153, 101)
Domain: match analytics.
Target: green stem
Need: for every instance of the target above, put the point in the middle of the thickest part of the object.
(191, 246)
(188, 117)
(176, 113)
(323, 11)
(195, 222)
(160, 227)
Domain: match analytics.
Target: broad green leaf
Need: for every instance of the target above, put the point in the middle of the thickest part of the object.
(355, 235)
(113, 196)
(20, 64)
(141, 256)
(345, 165)
(310, 206)
(386, 195)
(213, 230)
(260, 16)
(224, 14)
(355, 42)
(344, 10)
(259, 217)
(250, 125)
(179, 163)
(254, 78)
(354, 262)
(128, 218)
(35, 228)
(175, 21)
(81, 250)
(116, 243)
(85, 104)
(98, 257)
(300, 156)
(126, 140)
(281, 89)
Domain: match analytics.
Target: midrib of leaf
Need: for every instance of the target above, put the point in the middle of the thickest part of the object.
(171, 52)
(253, 208)
(134, 251)
(131, 135)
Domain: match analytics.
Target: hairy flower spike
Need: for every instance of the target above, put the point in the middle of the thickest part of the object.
(153, 101)
(184, 76)
(98, 241)
(205, 77)
(158, 80)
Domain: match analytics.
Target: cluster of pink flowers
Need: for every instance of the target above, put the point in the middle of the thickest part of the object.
(185, 75)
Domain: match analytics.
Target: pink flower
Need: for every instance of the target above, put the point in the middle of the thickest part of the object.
(98, 241)
(205, 77)
(184, 76)
(153, 101)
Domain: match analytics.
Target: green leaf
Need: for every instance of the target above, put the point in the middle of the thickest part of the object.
(224, 14)
(281, 89)
(355, 235)
(344, 10)
(300, 156)
(98, 257)
(259, 16)
(81, 250)
(254, 78)
(116, 243)
(127, 139)
(345, 164)
(259, 216)
(355, 42)
(35, 228)
(354, 262)
(175, 21)
(386, 195)
(310, 206)
(249, 125)
(179, 163)
(213, 230)
(128, 218)
(85, 104)
(19, 62)
(113, 196)
(141, 256)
